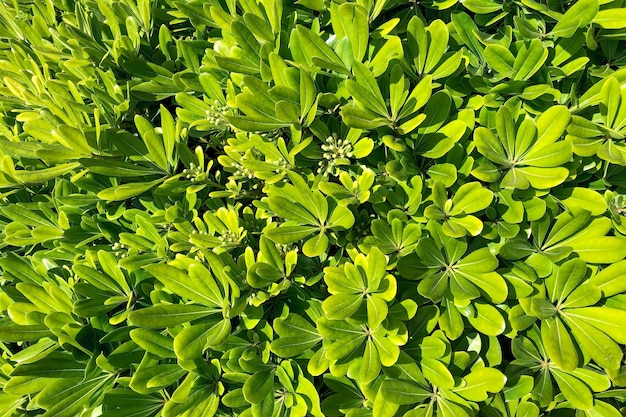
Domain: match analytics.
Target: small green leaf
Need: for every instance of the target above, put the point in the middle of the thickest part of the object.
(559, 344)
(574, 390)
(168, 315)
(403, 392)
(289, 234)
(437, 373)
(258, 386)
(341, 306)
(191, 342)
(126, 191)
(480, 382)
(577, 16)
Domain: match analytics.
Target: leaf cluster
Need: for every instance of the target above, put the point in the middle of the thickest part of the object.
(266, 208)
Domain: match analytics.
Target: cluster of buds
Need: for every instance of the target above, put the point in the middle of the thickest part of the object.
(335, 150)
(361, 228)
(282, 164)
(193, 172)
(285, 249)
(218, 111)
(241, 171)
(119, 249)
(229, 237)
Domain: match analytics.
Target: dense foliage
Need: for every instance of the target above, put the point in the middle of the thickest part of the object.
(369, 208)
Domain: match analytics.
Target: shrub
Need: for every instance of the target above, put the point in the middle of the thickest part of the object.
(259, 208)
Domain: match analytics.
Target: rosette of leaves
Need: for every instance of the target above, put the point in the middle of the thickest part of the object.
(394, 235)
(363, 283)
(525, 153)
(429, 381)
(576, 386)
(572, 322)
(574, 231)
(456, 213)
(370, 110)
(603, 135)
(203, 321)
(264, 208)
(465, 284)
(307, 212)
(427, 47)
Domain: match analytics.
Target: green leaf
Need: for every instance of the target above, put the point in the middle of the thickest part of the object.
(438, 43)
(258, 386)
(552, 155)
(248, 124)
(418, 98)
(358, 118)
(559, 344)
(551, 125)
(574, 390)
(489, 145)
(74, 139)
(608, 320)
(444, 173)
(387, 350)
(191, 342)
(350, 20)
(154, 143)
(437, 111)
(543, 178)
(365, 90)
(53, 366)
(341, 306)
(316, 245)
(153, 342)
(482, 6)
(506, 129)
(43, 175)
(291, 211)
(487, 319)
(480, 382)
(600, 250)
(604, 351)
(69, 400)
(289, 346)
(610, 279)
(12, 333)
(398, 90)
(342, 217)
(437, 373)
(191, 286)
(289, 234)
(577, 16)
(470, 198)
(614, 18)
(403, 392)
(529, 60)
(315, 47)
(391, 49)
(168, 315)
(344, 347)
(127, 191)
(123, 402)
(466, 30)
(583, 198)
(370, 364)
(115, 168)
(376, 311)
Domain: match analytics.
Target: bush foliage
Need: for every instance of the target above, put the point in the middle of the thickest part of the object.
(260, 208)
